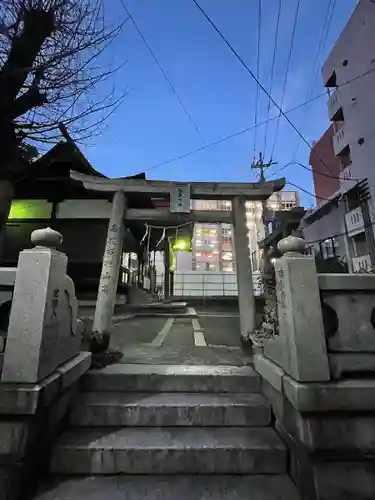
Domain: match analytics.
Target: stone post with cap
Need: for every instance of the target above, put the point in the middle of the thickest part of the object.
(42, 331)
(300, 348)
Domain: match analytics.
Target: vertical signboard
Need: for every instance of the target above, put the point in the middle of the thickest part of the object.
(180, 198)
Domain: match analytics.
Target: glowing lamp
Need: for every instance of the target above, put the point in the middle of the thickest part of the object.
(181, 245)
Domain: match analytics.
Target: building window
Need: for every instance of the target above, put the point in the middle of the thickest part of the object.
(359, 244)
(227, 240)
(254, 260)
(329, 249)
(225, 205)
(287, 205)
(345, 157)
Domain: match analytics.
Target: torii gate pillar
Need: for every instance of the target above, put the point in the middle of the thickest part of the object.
(106, 298)
(246, 299)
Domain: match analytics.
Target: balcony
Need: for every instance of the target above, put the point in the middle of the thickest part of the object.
(340, 140)
(334, 106)
(362, 264)
(354, 221)
(346, 180)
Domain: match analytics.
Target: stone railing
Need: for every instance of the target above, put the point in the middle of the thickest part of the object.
(318, 372)
(43, 324)
(42, 361)
(348, 311)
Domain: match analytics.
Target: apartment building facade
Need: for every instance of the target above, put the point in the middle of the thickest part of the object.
(349, 76)
(322, 156)
(212, 246)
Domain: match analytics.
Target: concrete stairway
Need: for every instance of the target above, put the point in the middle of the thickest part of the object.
(170, 433)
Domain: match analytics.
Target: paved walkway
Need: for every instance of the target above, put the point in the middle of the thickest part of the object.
(207, 338)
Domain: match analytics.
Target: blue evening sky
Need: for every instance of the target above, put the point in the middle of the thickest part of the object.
(150, 127)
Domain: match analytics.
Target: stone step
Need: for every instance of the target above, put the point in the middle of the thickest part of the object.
(254, 487)
(170, 409)
(170, 450)
(171, 378)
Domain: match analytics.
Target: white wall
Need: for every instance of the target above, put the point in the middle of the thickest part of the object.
(184, 262)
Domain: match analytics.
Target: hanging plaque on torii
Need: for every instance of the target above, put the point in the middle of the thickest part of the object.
(180, 199)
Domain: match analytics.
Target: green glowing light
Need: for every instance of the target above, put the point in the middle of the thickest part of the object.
(181, 245)
(30, 209)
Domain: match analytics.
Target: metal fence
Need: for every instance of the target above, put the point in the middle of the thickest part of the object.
(209, 284)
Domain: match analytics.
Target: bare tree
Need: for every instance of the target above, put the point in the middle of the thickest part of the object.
(51, 67)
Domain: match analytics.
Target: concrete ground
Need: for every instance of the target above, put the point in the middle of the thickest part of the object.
(210, 337)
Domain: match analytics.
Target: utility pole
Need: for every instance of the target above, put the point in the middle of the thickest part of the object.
(262, 167)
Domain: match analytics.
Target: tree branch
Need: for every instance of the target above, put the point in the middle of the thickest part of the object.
(38, 25)
(27, 101)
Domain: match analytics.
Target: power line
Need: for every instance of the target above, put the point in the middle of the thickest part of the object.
(305, 167)
(286, 76)
(294, 162)
(251, 73)
(172, 87)
(257, 73)
(307, 192)
(248, 129)
(272, 72)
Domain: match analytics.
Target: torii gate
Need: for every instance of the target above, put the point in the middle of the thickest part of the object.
(237, 192)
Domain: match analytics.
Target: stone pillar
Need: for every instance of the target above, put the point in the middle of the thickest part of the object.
(171, 284)
(138, 276)
(300, 346)
(166, 271)
(106, 299)
(42, 331)
(246, 299)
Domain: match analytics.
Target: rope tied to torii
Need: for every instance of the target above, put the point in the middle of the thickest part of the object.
(149, 228)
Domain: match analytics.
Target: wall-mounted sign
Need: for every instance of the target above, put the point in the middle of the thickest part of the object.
(180, 198)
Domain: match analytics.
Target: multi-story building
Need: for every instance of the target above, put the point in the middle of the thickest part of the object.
(327, 218)
(212, 246)
(349, 76)
(325, 163)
